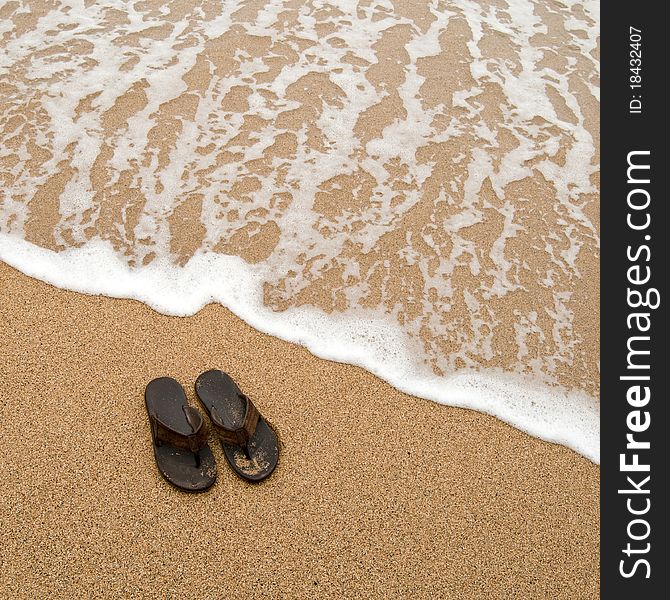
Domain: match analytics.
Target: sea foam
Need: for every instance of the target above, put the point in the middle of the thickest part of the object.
(409, 187)
(363, 338)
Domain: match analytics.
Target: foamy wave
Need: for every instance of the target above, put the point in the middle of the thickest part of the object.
(362, 337)
(409, 186)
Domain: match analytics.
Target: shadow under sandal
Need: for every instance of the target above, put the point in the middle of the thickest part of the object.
(249, 443)
(180, 437)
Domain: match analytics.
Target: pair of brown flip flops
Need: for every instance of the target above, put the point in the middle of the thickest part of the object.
(180, 433)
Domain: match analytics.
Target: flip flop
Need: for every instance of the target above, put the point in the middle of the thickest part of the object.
(180, 437)
(249, 443)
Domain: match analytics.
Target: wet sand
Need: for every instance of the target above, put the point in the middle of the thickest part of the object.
(377, 494)
(435, 163)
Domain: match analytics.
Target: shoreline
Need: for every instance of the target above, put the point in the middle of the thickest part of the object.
(554, 414)
(376, 492)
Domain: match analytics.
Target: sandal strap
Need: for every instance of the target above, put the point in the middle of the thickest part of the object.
(193, 441)
(241, 435)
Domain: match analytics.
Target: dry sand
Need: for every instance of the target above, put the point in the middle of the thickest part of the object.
(377, 494)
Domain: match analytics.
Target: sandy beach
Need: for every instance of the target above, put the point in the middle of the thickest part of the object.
(435, 165)
(368, 172)
(377, 494)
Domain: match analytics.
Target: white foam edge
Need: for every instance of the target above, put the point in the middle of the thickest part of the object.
(551, 413)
